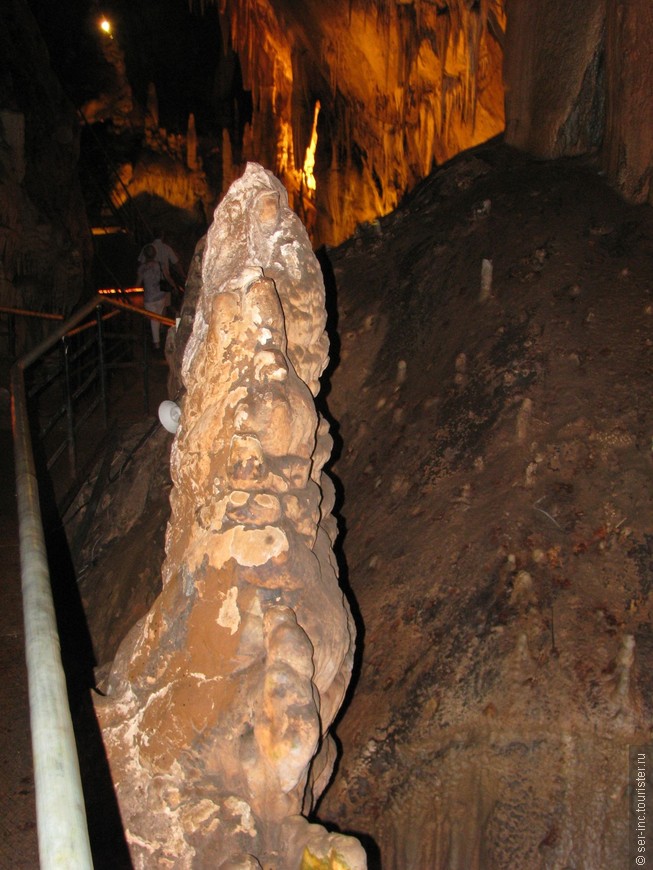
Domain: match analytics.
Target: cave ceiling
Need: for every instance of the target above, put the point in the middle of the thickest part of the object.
(350, 104)
(401, 87)
(374, 94)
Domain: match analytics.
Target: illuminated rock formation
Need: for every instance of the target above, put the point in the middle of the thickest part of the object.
(402, 86)
(170, 168)
(220, 699)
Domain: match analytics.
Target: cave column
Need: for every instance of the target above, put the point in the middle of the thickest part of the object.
(628, 145)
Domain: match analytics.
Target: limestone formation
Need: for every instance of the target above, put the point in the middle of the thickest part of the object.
(404, 86)
(220, 700)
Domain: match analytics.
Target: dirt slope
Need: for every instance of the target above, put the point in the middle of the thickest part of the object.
(496, 466)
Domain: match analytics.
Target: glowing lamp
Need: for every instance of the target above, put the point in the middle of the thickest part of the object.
(169, 414)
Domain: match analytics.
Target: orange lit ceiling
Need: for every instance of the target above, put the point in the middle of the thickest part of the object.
(402, 86)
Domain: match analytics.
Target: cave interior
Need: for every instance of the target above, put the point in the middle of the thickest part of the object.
(475, 181)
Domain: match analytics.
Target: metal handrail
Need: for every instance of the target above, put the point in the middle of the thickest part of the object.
(26, 312)
(12, 313)
(61, 817)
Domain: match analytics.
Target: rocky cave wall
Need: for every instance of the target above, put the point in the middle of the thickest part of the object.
(401, 86)
(578, 81)
(496, 459)
(165, 184)
(553, 107)
(496, 465)
(496, 468)
(45, 246)
(349, 109)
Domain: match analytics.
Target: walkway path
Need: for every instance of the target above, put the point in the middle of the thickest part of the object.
(18, 841)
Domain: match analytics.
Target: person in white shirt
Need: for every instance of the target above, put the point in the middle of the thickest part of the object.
(156, 298)
(169, 262)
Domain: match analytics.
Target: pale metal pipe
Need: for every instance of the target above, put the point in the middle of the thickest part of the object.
(60, 813)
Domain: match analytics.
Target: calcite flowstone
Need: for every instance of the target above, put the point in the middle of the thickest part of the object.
(219, 700)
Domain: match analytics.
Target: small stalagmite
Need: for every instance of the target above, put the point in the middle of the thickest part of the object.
(220, 699)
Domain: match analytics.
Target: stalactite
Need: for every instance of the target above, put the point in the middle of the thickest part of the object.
(152, 108)
(191, 144)
(393, 81)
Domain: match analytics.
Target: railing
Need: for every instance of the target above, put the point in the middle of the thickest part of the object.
(12, 314)
(61, 818)
(71, 366)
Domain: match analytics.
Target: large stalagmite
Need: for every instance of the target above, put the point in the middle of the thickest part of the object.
(220, 699)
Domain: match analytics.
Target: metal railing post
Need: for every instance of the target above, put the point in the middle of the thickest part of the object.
(11, 336)
(103, 373)
(70, 422)
(146, 357)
